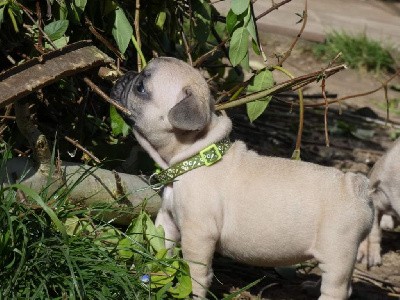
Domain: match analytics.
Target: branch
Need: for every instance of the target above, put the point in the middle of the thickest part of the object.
(137, 33)
(304, 22)
(103, 95)
(292, 84)
(354, 95)
(275, 6)
(83, 149)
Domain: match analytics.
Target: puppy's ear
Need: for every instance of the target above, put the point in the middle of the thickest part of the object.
(189, 113)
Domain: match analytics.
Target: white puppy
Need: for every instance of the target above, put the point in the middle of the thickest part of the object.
(259, 210)
(385, 184)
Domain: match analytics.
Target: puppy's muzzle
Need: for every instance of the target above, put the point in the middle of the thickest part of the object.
(122, 88)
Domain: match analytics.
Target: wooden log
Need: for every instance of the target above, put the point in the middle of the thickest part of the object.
(22, 80)
(89, 187)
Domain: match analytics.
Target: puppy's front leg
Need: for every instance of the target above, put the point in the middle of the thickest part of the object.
(172, 235)
(369, 251)
(198, 246)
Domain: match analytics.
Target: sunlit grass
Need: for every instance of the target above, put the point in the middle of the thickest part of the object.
(357, 52)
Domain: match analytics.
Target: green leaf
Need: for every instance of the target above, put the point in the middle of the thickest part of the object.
(202, 26)
(184, 286)
(238, 45)
(251, 26)
(122, 30)
(231, 20)
(263, 80)
(160, 21)
(55, 30)
(245, 63)
(239, 6)
(256, 47)
(155, 235)
(1, 15)
(118, 125)
(256, 108)
(80, 5)
(61, 42)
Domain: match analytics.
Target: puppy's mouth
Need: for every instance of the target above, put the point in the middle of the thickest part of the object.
(120, 92)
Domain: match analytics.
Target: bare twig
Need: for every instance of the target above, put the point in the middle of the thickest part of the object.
(291, 84)
(354, 95)
(273, 7)
(198, 62)
(187, 48)
(7, 117)
(137, 33)
(385, 88)
(326, 112)
(103, 95)
(304, 22)
(80, 147)
(102, 39)
(40, 36)
(374, 280)
(28, 13)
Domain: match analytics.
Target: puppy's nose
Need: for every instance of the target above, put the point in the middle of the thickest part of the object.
(120, 90)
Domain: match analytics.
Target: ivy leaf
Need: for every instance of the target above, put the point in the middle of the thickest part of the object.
(122, 30)
(239, 6)
(239, 45)
(261, 81)
(118, 125)
(55, 30)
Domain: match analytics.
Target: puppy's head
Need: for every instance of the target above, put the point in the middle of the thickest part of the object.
(168, 95)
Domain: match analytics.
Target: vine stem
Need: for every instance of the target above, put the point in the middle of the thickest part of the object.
(297, 150)
(137, 33)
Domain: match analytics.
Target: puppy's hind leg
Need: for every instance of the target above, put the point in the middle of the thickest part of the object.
(336, 277)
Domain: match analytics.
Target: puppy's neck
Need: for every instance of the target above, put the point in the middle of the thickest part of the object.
(219, 128)
(179, 146)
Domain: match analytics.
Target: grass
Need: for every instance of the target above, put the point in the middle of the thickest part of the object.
(358, 52)
(53, 249)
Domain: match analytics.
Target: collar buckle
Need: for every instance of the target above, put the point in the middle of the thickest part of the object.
(210, 155)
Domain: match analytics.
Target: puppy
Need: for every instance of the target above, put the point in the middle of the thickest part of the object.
(385, 184)
(259, 210)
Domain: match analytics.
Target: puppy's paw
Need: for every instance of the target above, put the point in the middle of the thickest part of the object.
(387, 222)
(369, 254)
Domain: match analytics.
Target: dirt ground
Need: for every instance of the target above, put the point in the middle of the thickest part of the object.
(358, 137)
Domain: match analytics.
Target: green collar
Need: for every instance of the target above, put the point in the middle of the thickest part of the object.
(205, 157)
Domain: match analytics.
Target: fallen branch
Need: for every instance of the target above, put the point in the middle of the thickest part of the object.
(22, 80)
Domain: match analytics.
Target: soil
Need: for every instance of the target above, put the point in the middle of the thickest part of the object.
(358, 135)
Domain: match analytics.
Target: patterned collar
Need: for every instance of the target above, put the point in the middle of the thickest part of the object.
(206, 157)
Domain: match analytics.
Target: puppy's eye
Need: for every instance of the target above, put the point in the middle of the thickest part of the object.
(140, 87)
